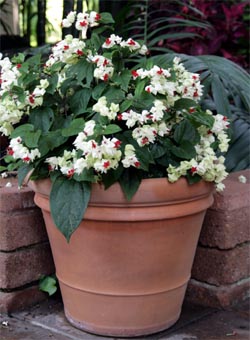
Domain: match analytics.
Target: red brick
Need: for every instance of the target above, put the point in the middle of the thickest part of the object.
(227, 222)
(224, 296)
(12, 198)
(25, 265)
(21, 229)
(220, 267)
(227, 229)
(20, 299)
(236, 194)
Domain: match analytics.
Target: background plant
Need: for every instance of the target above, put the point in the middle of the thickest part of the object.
(180, 23)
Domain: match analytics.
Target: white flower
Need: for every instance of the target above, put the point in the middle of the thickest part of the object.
(242, 179)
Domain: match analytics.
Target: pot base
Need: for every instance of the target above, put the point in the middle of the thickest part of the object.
(122, 316)
(126, 333)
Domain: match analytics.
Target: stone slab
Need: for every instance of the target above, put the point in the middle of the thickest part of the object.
(196, 323)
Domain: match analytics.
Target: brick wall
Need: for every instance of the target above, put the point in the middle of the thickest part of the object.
(24, 249)
(220, 275)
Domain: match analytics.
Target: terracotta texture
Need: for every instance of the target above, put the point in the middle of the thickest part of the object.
(126, 268)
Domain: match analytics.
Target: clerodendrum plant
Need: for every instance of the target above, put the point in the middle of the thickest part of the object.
(86, 115)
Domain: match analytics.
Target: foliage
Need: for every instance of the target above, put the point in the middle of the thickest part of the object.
(87, 115)
(48, 284)
(227, 36)
(226, 90)
(196, 27)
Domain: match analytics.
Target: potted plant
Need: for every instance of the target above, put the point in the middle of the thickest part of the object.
(123, 161)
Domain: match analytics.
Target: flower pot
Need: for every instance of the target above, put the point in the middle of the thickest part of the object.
(126, 268)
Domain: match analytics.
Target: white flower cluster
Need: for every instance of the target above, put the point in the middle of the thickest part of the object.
(185, 85)
(82, 21)
(104, 110)
(12, 109)
(206, 163)
(101, 157)
(131, 44)
(18, 151)
(67, 50)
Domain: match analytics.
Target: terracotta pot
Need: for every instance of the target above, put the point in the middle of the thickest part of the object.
(126, 268)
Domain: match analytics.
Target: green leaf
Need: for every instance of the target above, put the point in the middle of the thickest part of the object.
(31, 138)
(130, 182)
(96, 41)
(68, 202)
(125, 105)
(79, 101)
(22, 130)
(50, 141)
(106, 18)
(86, 175)
(122, 79)
(48, 284)
(53, 81)
(186, 131)
(3, 168)
(98, 90)
(111, 128)
(114, 95)
(185, 151)
(23, 172)
(112, 176)
(201, 118)
(74, 128)
(140, 88)
(42, 118)
(220, 96)
(82, 70)
(145, 158)
(184, 103)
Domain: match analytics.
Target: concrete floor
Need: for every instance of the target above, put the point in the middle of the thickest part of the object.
(47, 322)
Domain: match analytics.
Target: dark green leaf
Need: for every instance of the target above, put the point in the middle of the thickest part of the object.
(201, 118)
(130, 182)
(186, 131)
(125, 105)
(122, 79)
(21, 131)
(106, 18)
(68, 202)
(114, 95)
(220, 96)
(31, 138)
(42, 118)
(74, 128)
(53, 81)
(184, 103)
(23, 172)
(111, 128)
(79, 101)
(185, 151)
(98, 90)
(50, 140)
